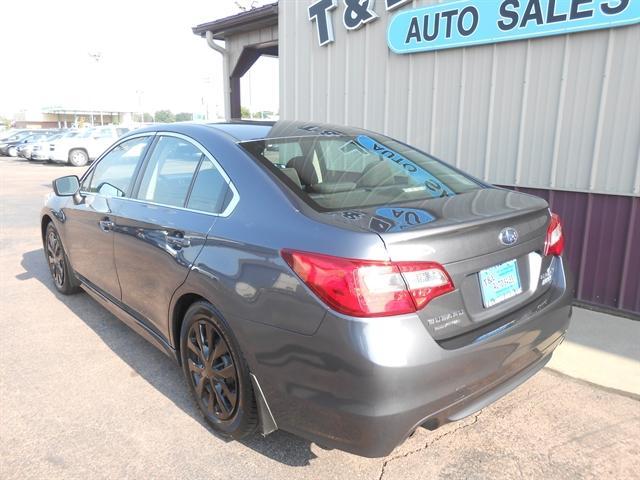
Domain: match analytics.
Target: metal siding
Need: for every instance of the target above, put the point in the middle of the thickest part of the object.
(615, 157)
(475, 126)
(372, 40)
(336, 72)
(602, 245)
(510, 64)
(558, 112)
(537, 139)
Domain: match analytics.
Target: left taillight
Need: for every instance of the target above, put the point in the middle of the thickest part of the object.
(554, 243)
(366, 288)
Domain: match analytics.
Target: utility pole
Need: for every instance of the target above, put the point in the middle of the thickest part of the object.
(97, 56)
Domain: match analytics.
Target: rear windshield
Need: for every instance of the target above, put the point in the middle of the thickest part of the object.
(346, 172)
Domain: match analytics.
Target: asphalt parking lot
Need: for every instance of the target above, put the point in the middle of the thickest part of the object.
(82, 396)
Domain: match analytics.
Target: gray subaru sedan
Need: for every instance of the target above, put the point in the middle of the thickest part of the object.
(324, 280)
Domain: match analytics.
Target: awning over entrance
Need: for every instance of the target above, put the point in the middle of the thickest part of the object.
(247, 36)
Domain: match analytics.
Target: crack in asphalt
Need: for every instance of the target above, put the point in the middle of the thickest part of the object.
(427, 444)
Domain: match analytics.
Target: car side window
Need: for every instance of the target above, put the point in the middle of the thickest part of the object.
(210, 192)
(280, 154)
(169, 172)
(103, 133)
(112, 176)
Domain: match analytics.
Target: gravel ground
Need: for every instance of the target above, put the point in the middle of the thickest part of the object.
(82, 396)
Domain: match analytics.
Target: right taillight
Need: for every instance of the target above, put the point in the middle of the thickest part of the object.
(554, 244)
(366, 288)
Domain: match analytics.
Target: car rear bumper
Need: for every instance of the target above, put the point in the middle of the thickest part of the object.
(364, 385)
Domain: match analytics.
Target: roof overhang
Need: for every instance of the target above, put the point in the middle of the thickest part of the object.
(254, 19)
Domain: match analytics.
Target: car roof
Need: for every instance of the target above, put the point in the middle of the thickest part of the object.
(253, 130)
(244, 131)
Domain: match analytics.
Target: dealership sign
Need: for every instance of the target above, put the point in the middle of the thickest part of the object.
(469, 22)
(476, 22)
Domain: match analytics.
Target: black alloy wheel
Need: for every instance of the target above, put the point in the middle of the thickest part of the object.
(61, 272)
(212, 371)
(217, 372)
(55, 258)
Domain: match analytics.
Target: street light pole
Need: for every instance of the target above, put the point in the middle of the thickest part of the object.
(97, 56)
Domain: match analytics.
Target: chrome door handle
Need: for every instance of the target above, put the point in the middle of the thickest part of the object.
(178, 241)
(106, 225)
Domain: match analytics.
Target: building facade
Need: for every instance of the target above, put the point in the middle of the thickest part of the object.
(66, 118)
(548, 104)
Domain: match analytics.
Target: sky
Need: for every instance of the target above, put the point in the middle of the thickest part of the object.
(149, 59)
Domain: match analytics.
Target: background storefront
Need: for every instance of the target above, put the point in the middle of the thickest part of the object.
(556, 116)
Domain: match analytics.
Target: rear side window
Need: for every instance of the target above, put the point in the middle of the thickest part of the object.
(210, 192)
(113, 175)
(169, 172)
(346, 172)
(281, 153)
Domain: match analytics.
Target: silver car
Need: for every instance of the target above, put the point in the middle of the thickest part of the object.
(36, 143)
(324, 280)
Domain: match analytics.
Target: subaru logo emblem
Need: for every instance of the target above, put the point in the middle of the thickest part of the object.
(508, 236)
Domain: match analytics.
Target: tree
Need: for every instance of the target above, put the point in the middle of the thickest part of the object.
(245, 112)
(165, 116)
(147, 117)
(184, 117)
(263, 114)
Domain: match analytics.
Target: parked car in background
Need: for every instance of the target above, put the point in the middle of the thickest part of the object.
(10, 146)
(25, 149)
(86, 146)
(42, 150)
(5, 134)
(14, 133)
(328, 281)
(11, 137)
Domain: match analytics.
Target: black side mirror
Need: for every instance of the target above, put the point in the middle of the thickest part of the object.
(66, 186)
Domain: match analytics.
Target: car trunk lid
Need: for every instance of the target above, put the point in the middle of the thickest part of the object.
(469, 234)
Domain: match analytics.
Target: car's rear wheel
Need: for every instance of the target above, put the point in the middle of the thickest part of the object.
(216, 372)
(12, 151)
(78, 158)
(63, 277)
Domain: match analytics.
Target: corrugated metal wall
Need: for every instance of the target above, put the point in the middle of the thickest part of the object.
(559, 113)
(603, 245)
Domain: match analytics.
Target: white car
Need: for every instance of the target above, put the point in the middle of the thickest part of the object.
(41, 150)
(86, 146)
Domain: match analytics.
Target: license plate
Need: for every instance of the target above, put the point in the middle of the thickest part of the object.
(499, 283)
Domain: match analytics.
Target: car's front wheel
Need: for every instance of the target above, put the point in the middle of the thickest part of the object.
(13, 152)
(78, 158)
(61, 272)
(217, 373)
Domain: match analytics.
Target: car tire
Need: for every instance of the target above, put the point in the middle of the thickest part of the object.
(78, 158)
(12, 152)
(64, 278)
(218, 377)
